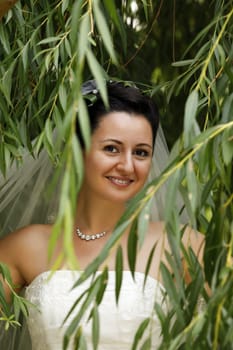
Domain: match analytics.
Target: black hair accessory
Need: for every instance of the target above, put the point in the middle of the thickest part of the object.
(90, 90)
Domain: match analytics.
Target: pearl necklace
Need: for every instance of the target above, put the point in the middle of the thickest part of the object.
(90, 237)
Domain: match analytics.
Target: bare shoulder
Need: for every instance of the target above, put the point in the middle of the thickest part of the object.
(191, 238)
(157, 232)
(24, 251)
(158, 236)
(156, 228)
(195, 240)
(23, 242)
(27, 234)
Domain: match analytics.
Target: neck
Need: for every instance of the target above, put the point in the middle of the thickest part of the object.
(95, 215)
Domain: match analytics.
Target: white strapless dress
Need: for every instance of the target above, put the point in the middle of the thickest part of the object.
(54, 297)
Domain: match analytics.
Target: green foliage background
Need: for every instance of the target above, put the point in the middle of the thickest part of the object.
(179, 51)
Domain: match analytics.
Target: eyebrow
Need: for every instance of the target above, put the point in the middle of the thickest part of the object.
(120, 143)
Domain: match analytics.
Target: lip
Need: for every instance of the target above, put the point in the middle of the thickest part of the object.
(119, 181)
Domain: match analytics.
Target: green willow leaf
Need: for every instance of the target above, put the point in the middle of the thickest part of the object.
(227, 146)
(22, 306)
(52, 39)
(11, 136)
(227, 109)
(98, 74)
(65, 6)
(163, 317)
(92, 291)
(208, 188)
(173, 293)
(177, 342)
(176, 268)
(171, 195)
(4, 40)
(140, 331)
(192, 185)
(104, 30)
(64, 192)
(132, 247)
(112, 10)
(147, 344)
(5, 91)
(220, 54)
(147, 6)
(118, 269)
(83, 37)
(68, 236)
(78, 159)
(76, 13)
(3, 302)
(62, 96)
(48, 61)
(56, 58)
(191, 107)
(25, 55)
(77, 339)
(148, 264)
(104, 281)
(49, 132)
(9, 149)
(5, 272)
(83, 119)
(143, 222)
(68, 48)
(211, 71)
(95, 327)
(182, 63)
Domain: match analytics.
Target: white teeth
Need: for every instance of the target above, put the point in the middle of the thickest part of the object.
(119, 181)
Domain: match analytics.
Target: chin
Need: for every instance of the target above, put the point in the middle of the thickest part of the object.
(121, 198)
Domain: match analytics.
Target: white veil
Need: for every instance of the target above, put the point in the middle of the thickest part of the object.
(26, 195)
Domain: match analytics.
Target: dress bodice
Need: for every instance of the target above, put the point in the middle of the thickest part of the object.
(54, 297)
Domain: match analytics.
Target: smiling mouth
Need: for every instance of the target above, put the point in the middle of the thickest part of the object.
(121, 182)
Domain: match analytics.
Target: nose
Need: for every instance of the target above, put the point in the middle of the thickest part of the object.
(126, 163)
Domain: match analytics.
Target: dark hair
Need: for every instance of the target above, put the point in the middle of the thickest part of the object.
(121, 98)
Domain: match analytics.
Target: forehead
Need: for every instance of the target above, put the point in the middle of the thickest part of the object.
(124, 125)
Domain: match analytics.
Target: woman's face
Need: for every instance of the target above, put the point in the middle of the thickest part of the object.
(119, 160)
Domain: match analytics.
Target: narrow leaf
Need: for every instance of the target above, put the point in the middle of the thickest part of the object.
(132, 247)
(140, 331)
(95, 327)
(98, 74)
(104, 30)
(189, 115)
(118, 269)
(143, 222)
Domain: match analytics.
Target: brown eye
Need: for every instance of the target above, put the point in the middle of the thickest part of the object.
(111, 149)
(142, 153)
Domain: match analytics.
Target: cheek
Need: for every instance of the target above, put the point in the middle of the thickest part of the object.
(97, 163)
(144, 169)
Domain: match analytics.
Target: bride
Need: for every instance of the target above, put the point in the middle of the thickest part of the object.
(116, 168)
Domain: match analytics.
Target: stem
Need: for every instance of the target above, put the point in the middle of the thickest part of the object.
(217, 324)
(211, 52)
(90, 11)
